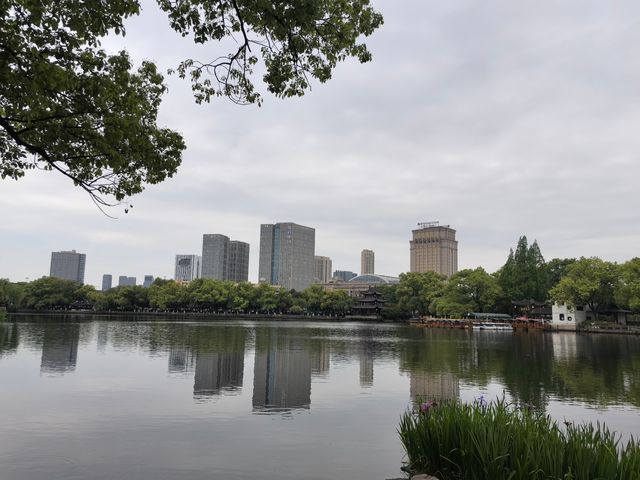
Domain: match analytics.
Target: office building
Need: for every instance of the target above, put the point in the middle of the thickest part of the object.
(344, 275)
(224, 259)
(68, 265)
(124, 281)
(323, 269)
(148, 280)
(214, 255)
(107, 281)
(434, 249)
(367, 262)
(237, 261)
(287, 255)
(187, 268)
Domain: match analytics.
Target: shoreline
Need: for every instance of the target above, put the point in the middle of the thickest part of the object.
(203, 316)
(208, 316)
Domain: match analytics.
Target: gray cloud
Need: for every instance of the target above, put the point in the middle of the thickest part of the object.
(500, 118)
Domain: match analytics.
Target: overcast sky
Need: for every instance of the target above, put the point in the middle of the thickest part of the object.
(499, 118)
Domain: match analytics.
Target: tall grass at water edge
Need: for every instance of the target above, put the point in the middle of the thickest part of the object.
(499, 441)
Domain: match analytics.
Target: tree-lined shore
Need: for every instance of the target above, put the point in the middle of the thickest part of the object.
(525, 275)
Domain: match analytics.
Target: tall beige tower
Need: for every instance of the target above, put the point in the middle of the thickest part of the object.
(323, 269)
(367, 262)
(434, 249)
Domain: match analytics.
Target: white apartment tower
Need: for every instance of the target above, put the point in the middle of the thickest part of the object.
(187, 267)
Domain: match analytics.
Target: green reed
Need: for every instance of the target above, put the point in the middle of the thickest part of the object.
(498, 441)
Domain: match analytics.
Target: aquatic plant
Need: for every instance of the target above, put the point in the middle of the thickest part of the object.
(499, 440)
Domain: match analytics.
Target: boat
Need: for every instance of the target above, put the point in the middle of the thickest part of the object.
(498, 326)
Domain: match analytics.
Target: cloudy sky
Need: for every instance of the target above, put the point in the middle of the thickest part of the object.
(497, 117)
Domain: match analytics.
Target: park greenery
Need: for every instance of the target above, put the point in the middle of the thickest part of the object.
(202, 295)
(67, 105)
(496, 441)
(525, 275)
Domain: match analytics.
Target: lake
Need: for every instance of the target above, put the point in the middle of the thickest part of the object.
(90, 397)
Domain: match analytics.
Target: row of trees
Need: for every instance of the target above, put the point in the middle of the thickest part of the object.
(525, 275)
(204, 295)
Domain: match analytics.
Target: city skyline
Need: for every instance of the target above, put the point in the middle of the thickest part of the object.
(510, 133)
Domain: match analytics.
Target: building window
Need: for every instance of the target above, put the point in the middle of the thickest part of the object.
(562, 317)
(569, 319)
(580, 308)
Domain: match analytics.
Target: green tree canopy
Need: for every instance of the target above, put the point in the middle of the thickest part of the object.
(557, 268)
(628, 292)
(524, 274)
(469, 291)
(417, 292)
(588, 281)
(69, 106)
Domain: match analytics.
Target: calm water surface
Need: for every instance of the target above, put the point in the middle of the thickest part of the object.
(83, 397)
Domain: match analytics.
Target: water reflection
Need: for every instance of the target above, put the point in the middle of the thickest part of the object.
(219, 361)
(434, 386)
(282, 371)
(60, 348)
(535, 368)
(8, 338)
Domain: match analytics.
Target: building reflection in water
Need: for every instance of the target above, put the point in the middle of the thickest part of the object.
(565, 346)
(218, 373)
(181, 360)
(282, 373)
(102, 337)
(434, 386)
(320, 359)
(60, 348)
(8, 338)
(366, 369)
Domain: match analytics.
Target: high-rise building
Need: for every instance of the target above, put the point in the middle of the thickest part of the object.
(434, 249)
(68, 265)
(287, 255)
(344, 275)
(367, 262)
(107, 281)
(323, 269)
(124, 281)
(237, 261)
(148, 280)
(187, 267)
(224, 259)
(214, 255)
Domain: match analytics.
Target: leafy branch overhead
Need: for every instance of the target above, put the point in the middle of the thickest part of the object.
(69, 106)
